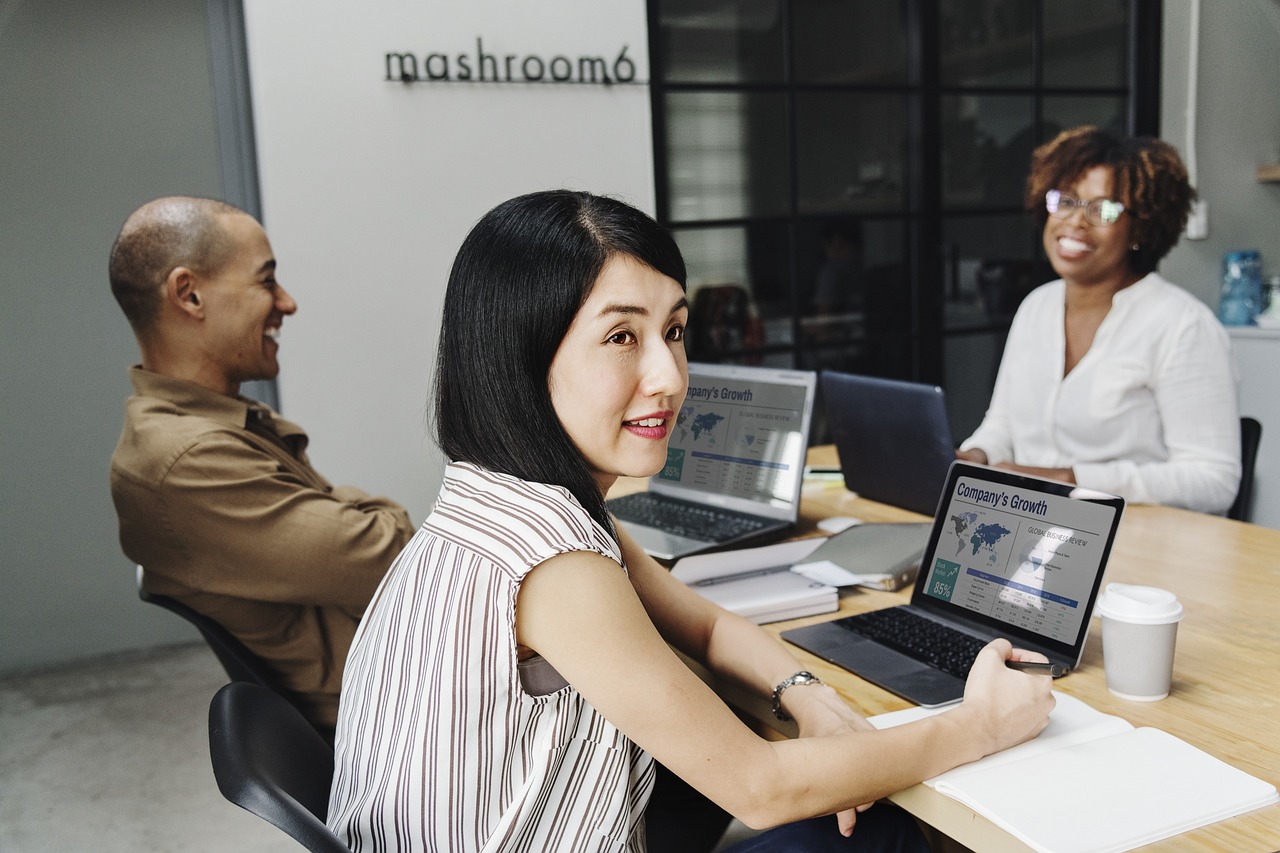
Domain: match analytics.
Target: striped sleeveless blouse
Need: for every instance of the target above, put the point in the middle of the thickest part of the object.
(445, 742)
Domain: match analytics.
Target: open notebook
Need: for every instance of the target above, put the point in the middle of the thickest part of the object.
(1092, 783)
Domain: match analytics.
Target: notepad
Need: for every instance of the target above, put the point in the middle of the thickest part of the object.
(759, 583)
(1092, 783)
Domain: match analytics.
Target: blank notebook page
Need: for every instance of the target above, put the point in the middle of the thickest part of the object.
(1110, 794)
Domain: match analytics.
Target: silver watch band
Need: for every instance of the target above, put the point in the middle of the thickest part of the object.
(802, 677)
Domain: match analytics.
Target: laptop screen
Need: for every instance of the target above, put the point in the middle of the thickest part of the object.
(740, 439)
(1019, 553)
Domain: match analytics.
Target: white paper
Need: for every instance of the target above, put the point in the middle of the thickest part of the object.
(825, 571)
(758, 582)
(1092, 782)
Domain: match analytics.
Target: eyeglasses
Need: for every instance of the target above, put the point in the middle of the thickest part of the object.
(1100, 211)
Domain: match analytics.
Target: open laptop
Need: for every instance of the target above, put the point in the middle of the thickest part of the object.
(892, 437)
(735, 463)
(1008, 556)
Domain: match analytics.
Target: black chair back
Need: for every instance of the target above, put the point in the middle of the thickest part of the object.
(240, 663)
(1250, 438)
(270, 761)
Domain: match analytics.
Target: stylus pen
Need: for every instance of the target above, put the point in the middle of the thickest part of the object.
(1056, 670)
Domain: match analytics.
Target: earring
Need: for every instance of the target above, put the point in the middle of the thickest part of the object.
(1134, 247)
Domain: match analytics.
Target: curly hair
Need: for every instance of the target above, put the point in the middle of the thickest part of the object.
(1148, 178)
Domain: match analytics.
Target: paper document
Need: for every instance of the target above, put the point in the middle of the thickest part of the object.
(758, 583)
(1092, 782)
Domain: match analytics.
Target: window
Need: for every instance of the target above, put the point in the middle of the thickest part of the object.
(845, 176)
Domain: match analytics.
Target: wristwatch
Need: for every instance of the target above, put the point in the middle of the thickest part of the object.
(802, 677)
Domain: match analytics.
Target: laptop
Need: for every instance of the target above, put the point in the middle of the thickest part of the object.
(735, 463)
(892, 437)
(1008, 555)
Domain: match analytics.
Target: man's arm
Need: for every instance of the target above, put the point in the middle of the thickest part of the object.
(244, 524)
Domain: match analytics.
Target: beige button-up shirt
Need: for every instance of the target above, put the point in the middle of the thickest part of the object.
(217, 501)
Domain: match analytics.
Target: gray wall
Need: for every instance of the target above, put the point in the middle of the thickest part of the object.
(102, 106)
(1237, 127)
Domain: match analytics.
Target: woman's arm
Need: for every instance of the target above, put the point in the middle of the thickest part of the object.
(584, 616)
(738, 649)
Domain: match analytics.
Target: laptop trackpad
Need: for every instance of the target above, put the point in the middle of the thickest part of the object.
(894, 671)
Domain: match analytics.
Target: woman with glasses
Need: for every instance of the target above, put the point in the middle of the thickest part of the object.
(1112, 377)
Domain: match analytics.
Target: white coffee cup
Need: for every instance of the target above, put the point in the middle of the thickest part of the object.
(1139, 631)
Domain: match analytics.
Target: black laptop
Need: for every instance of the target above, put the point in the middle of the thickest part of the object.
(892, 437)
(1008, 556)
(735, 463)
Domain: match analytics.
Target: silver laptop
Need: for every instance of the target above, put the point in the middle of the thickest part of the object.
(892, 437)
(1008, 556)
(735, 463)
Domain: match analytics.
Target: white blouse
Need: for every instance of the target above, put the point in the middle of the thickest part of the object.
(445, 742)
(1149, 412)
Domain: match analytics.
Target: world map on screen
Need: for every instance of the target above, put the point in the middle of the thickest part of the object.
(983, 537)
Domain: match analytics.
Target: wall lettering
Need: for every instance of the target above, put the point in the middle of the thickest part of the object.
(482, 67)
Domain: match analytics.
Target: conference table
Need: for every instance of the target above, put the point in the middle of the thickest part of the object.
(1225, 697)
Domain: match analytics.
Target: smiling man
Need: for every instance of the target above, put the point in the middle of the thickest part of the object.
(214, 492)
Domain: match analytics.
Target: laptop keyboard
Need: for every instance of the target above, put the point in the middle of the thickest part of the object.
(944, 648)
(683, 518)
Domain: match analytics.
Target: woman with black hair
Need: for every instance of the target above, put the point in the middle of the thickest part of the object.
(513, 679)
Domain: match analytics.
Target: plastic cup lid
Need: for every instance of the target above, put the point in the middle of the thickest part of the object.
(1144, 605)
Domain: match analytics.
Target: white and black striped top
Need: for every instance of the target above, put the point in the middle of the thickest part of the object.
(443, 743)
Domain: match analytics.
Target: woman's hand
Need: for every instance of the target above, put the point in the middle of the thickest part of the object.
(818, 710)
(973, 454)
(1012, 706)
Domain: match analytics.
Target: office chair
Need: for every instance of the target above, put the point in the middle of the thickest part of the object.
(240, 663)
(270, 761)
(1250, 437)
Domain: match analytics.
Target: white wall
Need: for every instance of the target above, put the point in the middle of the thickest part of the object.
(369, 187)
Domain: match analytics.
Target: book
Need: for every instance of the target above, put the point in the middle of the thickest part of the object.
(759, 583)
(1093, 783)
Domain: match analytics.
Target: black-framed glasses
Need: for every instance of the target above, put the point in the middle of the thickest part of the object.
(1099, 211)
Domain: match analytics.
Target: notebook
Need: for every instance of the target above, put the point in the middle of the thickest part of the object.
(892, 437)
(1008, 555)
(1137, 785)
(735, 463)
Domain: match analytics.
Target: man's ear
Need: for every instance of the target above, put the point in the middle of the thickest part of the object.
(182, 290)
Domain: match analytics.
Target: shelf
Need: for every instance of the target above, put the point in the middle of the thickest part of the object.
(1269, 173)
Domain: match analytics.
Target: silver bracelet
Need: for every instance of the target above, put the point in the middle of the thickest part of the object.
(801, 677)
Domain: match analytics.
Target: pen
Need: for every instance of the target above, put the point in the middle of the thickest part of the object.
(1054, 669)
(771, 570)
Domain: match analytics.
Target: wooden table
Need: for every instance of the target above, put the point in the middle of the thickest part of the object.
(1225, 697)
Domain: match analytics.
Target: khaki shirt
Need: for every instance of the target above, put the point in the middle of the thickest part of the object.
(218, 503)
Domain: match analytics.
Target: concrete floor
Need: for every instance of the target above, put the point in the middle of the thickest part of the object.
(113, 755)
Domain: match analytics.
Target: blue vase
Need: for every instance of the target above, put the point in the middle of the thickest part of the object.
(1241, 298)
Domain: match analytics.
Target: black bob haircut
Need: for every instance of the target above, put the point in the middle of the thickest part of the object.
(517, 282)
